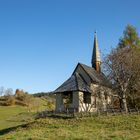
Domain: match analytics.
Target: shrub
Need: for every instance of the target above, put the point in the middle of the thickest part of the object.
(10, 100)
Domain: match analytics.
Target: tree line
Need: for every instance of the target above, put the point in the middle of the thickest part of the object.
(20, 97)
(33, 102)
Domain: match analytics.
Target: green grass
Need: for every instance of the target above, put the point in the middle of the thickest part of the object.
(11, 116)
(120, 127)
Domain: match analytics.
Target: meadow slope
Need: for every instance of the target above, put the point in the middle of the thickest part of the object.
(120, 127)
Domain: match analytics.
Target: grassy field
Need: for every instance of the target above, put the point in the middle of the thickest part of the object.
(120, 127)
(11, 116)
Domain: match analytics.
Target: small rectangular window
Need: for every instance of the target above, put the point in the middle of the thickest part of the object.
(87, 97)
(68, 97)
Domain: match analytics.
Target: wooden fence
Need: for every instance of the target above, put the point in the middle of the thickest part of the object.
(69, 114)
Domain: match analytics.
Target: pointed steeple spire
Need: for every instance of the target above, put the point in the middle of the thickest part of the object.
(96, 61)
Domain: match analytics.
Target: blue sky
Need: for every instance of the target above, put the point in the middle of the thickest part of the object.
(41, 41)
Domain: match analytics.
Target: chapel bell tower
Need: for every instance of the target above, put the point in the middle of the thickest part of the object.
(96, 61)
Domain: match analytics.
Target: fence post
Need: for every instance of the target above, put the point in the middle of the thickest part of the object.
(121, 111)
(113, 112)
(81, 114)
(129, 110)
(67, 111)
(91, 114)
(60, 110)
(106, 113)
(137, 111)
(98, 112)
(53, 112)
(73, 112)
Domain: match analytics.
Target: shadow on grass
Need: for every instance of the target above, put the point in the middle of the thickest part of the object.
(8, 130)
(55, 116)
(61, 116)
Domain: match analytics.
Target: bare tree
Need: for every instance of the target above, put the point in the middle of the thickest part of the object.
(8, 92)
(122, 65)
(2, 91)
(10, 99)
(122, 68)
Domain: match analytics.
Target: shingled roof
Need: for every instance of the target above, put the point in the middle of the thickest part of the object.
(94, 75)
(74, 83)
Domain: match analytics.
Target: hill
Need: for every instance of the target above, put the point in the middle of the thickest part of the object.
(120, 127)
